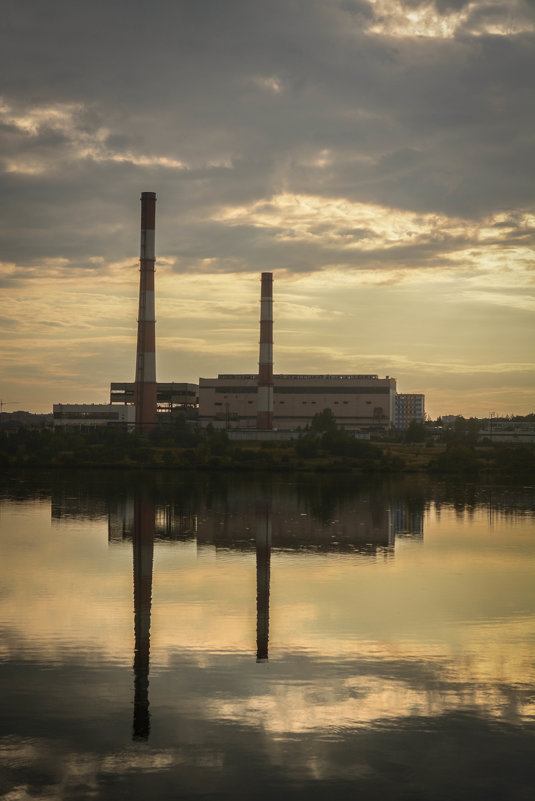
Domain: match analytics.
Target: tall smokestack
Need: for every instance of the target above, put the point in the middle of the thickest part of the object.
(264, 417)
(145, 387)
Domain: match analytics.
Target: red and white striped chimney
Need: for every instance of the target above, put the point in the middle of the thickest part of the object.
(264, 417)
(145, 386)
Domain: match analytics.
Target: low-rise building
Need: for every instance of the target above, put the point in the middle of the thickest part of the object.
(358, 402)
(507, 431)
(91, 415)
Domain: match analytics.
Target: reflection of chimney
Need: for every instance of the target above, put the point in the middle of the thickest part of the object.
(263, 558)
(145, 386)
(120, 520)
(264, 418)
(143, 546)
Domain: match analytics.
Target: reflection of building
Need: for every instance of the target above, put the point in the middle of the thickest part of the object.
(121, 520)
(172, 524)
(361, 525)
(68, 503)
(301, 518)
(169, 523)
(409, 408)
(364, 524)
(356, 401)
(143, 547)
(408, 522)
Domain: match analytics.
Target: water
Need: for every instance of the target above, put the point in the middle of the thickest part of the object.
(171, 637)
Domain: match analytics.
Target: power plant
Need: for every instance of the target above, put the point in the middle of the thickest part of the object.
(260, 405)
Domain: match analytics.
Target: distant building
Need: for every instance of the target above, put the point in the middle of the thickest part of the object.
(509, 431)
(409, 408)
(358, 402)
(449, 419)
(92, 415)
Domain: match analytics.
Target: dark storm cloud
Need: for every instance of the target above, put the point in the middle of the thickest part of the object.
(217, 104)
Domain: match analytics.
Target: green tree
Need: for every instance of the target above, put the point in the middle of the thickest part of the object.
(415, 432)
(323, 422)
(457, 458)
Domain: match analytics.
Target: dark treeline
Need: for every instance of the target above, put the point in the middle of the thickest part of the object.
(323, 446)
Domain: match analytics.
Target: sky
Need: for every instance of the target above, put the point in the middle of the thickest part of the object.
(375, 155)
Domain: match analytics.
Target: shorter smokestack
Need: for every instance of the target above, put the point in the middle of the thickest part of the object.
(264, 418)
(145, 386)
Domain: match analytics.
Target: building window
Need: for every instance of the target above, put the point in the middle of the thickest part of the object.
(218, 404)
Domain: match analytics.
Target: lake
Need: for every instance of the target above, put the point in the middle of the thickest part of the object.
(174, 636)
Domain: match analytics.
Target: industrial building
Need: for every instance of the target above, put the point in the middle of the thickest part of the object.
(408, 409)
(170, 397)
(92, 415)
(358, 402)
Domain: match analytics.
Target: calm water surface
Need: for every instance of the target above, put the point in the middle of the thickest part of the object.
(174, 637)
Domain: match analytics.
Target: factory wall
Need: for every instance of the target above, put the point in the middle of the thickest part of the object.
(358, 402)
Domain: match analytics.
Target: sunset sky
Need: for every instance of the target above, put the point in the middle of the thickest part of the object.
(375, 155)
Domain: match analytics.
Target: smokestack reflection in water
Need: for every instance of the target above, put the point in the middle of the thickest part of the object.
(263, 559)
(143, 548)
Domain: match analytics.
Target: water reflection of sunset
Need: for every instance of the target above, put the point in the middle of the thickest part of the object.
(423, 633)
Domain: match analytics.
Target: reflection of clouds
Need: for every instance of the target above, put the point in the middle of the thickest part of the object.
(357, 644)
(391, 684)
(296, 709)
(57, 597)
(135, 760)
(59, 777)
(363, 653)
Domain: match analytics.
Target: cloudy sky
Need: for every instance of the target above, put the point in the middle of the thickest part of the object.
(376, 155)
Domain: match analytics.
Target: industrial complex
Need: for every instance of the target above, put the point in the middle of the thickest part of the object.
(262, 402)
(356, 401)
